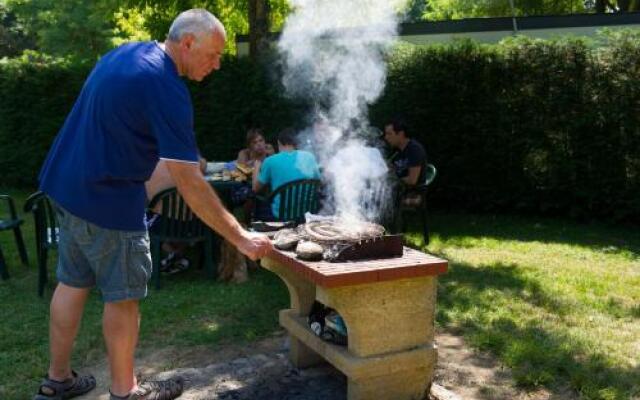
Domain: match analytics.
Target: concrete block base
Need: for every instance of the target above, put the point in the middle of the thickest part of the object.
(391, 354)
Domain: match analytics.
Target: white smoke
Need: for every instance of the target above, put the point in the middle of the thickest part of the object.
(332, 54)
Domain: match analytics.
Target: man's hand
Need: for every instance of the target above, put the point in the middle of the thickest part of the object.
(255, 245)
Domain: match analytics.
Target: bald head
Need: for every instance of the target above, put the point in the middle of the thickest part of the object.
(197, 22)
(195, 43)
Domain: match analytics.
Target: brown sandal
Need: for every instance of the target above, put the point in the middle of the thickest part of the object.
(75, 386)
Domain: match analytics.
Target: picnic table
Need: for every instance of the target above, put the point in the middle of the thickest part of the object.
(224, 189)
(388, 306)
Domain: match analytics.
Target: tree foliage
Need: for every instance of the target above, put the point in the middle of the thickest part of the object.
(64, 27)
(87, 29)
(234, 14)
(458, 9)
(13, 38)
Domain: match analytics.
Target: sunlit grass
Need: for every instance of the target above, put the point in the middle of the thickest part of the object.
(557, 302)
(188, 311)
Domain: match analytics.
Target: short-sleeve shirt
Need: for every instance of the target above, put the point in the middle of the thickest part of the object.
(133, 110)
(284, 167)
(413, 155)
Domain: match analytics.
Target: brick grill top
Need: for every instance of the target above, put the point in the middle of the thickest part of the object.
(412, 264)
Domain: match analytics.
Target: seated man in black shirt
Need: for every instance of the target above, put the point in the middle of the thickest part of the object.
(410, 159)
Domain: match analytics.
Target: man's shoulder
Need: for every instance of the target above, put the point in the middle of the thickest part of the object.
(141, 59)
(416, 146)
(306, 155)
(415, 143)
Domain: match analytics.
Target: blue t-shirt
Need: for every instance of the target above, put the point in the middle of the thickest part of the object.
(285, 167)
(133, 109)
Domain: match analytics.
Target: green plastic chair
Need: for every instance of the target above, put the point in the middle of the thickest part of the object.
(177, 223)
(46, 233)
(296, 198)
(421, 189)
(11, 222)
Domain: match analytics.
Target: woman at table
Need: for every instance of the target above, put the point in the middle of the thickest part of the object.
(257, 148)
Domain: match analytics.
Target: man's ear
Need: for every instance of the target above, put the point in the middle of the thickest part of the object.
(188, 40)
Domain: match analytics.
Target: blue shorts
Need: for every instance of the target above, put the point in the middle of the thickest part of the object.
(117, 262)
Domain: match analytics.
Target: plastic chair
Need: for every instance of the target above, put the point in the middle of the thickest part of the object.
(11, 222)
(46, 233)
(296, 198)
(177, 223)
(421, 190)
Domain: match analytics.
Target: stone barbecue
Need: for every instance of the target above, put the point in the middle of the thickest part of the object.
(388, 306)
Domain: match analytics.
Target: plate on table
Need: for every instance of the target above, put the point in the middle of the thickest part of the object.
(214, 167)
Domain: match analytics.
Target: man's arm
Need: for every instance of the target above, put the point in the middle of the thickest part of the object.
(412, 177)
(206, 204)
(255, 181)
(243, 156)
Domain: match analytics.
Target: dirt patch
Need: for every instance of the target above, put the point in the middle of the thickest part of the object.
(478, 375)
(261, 371)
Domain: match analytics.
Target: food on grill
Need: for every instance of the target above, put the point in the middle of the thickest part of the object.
(309, 251)
(333, 232)
(326, 239)
(286, 239)
(271, 226)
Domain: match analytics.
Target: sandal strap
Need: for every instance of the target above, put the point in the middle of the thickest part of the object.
(81, 385)
(50, 389)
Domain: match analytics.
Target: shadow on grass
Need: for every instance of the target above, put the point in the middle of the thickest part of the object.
(454, 228)
(537, 356)
(207, 312)
(464, 280)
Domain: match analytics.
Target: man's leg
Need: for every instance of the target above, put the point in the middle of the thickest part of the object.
(120, 325)
(66, 308)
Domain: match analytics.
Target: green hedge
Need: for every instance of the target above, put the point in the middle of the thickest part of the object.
(36, 94)
(546, 127)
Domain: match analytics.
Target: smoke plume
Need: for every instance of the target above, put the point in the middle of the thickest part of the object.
(332, 52)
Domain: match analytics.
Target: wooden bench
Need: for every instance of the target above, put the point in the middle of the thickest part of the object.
(388, 307)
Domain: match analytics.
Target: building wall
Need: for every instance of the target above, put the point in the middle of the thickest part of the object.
(496, 36)
(492, 30)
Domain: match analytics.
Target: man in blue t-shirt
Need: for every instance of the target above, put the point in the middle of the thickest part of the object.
(286, 166)
(133, 110)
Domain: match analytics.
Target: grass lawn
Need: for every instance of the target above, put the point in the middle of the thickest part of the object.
(556, 301)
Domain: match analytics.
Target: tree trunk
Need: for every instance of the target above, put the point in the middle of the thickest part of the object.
(258, 27)
(602, 6)
(623, 5)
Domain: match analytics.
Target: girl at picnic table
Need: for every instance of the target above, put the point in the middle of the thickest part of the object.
(257, 148)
